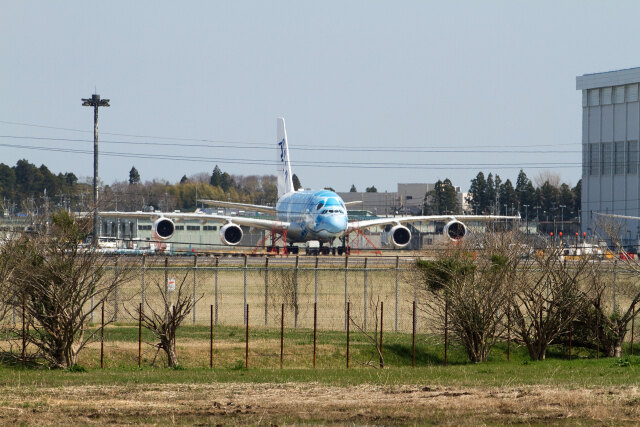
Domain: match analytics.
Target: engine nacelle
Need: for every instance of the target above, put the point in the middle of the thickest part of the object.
(163, 228)
(231, 234)
(400, 236)
(455, 230)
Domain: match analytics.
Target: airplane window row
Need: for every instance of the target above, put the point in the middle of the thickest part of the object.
(331, 211)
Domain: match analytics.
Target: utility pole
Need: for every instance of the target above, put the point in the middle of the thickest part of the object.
(95, 102)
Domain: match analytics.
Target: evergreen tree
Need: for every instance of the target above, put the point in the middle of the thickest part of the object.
(566, 199)
(184, 179)
(491, 194)
(577, 197)
(371, 189)
(134, 176)
(226, 182)
(7, 182)
(479, 197)
(508, 197)
(549, 198)
(442, 200)
(353, 189)
(296, 182)
(526, 194)
(216, 177)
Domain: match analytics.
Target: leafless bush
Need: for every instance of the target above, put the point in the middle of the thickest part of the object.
(611, 321)
(372, 336)
(59, 283)
(470, 285)
(165, 321)
(549, 294)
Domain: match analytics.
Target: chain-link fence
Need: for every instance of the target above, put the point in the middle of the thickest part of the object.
(229, 283)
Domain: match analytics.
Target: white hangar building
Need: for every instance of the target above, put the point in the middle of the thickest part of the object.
(610, 133)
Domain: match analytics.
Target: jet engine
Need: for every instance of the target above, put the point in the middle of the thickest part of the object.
(231, 234)
(455, 230)
(400, 236)
(163, 228)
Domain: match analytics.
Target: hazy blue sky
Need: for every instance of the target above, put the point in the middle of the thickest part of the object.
(491, 76)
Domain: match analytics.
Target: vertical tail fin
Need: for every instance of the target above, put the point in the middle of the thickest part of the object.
(285, 180)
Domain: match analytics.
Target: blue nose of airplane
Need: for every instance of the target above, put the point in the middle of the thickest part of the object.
(335, 224)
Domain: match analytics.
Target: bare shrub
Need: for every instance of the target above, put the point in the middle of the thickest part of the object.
(372, 336)
(57, 280)
(610, 322)
(549, 294)
(470, 285)
(164, 322)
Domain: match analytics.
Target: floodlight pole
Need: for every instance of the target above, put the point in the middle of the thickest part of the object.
(95, 102)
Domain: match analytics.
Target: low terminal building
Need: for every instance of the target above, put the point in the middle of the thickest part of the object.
(407, 200)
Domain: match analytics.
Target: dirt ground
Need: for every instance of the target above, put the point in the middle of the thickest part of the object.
(292, 403)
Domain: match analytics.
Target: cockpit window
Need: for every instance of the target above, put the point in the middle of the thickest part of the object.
(319, 206)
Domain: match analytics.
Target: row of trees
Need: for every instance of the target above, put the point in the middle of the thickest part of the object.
(25, 186)
(136, 195)
(24, 182)
(495, 288)
(546, 196)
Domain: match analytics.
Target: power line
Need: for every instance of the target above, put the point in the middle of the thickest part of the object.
(297, 146)
(300, 163)
(273, 148)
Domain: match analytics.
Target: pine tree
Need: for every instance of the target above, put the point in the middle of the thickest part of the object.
(216, 177)
(296, 182)
(134, 176)
(442, 200)
(508, 197)
(353, 189)
(479, 196)
(226, 182)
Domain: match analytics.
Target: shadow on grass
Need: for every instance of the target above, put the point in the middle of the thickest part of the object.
(403, 354)
(14, 360)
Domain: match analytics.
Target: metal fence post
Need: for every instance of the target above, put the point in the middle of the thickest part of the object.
(364, 321)
(93, 283)
(166, 274)
(115, 293)
(397, 292)
(246, 320)
(143, 285)
(381, 327)
(215, 291)
(346, 292)
(195, 278)
(266, 289)
(295, 295)
(246, 340)
(615, 285)
(633, 325)
(315, 299)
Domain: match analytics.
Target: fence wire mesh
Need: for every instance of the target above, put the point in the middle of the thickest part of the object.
(228, 284)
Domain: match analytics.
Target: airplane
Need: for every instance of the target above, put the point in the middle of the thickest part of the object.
(304, 215)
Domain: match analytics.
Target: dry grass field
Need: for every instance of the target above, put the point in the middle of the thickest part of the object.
(312, 403)
(584, 391)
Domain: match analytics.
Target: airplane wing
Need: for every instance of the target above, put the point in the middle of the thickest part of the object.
(428, 218)
(618, 216)
(266, 224)
(355, 202)
(247, 206)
